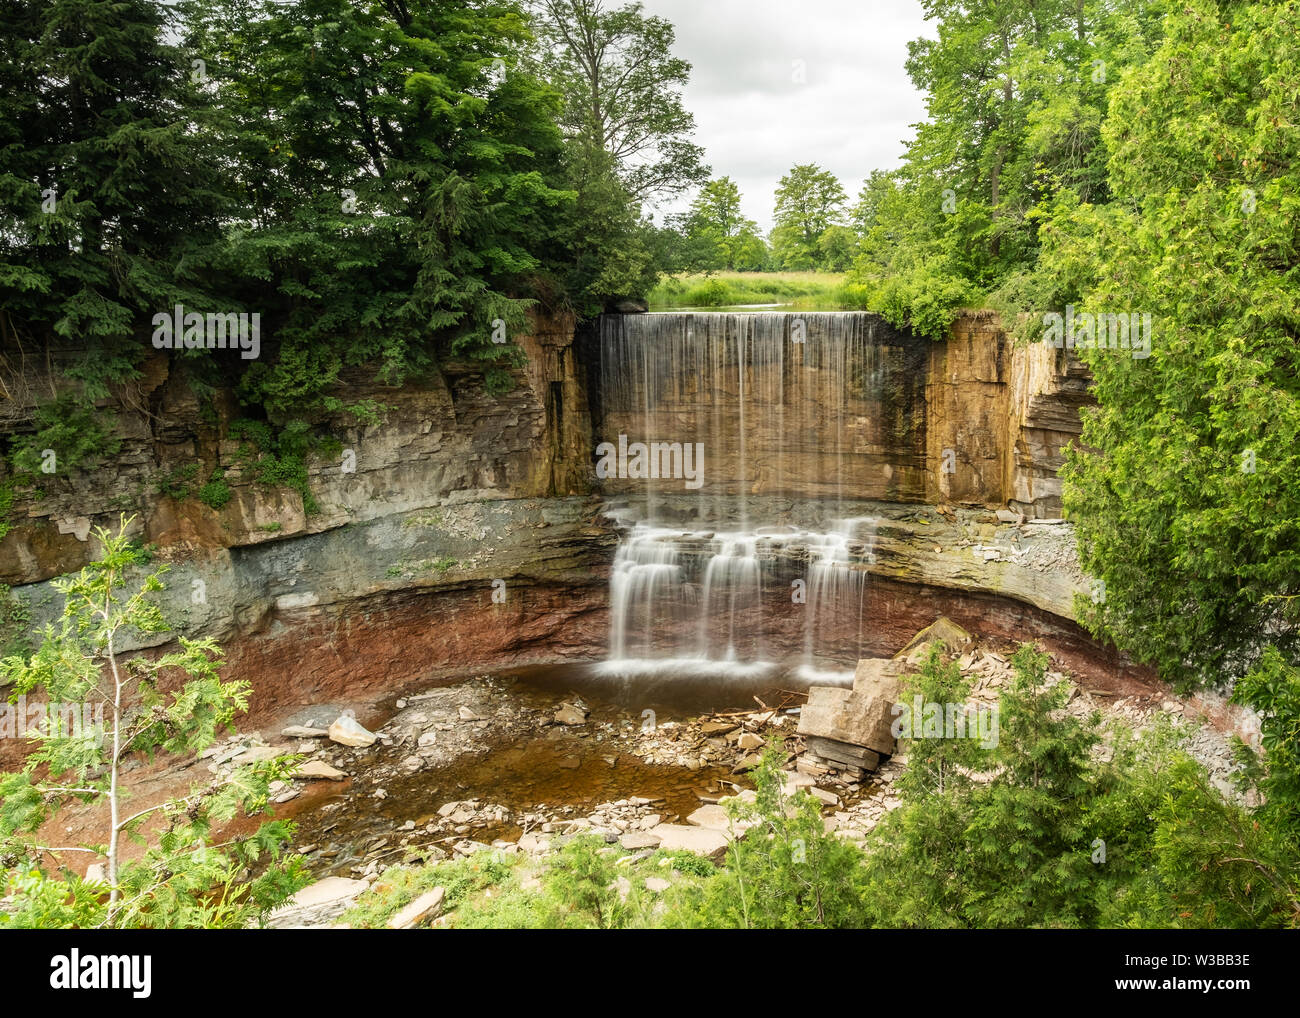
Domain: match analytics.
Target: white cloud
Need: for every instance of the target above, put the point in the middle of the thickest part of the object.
(851, 115)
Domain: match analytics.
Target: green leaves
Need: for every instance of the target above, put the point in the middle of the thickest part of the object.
(181, 881)
(1188, 508)
(809, 202)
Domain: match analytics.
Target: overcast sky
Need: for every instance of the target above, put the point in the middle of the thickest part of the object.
(755, 121)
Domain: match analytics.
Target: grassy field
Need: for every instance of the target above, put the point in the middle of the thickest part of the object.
(807, 290)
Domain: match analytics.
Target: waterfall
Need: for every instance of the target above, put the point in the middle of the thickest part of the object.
(716, 575)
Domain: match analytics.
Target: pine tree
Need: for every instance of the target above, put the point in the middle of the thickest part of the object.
(106, 188)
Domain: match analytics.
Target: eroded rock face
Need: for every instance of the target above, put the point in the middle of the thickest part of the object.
(999, 415)
(841, 405)
(455, 533)
(443, 441)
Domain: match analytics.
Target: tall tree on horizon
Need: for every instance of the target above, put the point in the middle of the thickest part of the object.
(809, 201)
(716, 220)
(622, 89)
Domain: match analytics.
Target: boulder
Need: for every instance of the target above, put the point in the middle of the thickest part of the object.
(853, 727)
(860, 716)
(319, 770)
(943, 628)
(570, 715)
(347, 731)
(701, 840)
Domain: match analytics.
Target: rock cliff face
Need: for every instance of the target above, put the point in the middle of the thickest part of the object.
(441, 440)
(457, 533)
(840, 406)
(469, 531)
(1000, 416)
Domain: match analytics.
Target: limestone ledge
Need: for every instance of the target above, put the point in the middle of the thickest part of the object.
(1034, 562)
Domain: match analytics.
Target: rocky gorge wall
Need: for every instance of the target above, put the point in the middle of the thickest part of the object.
(467, 534)
(999, 416)
(841, 406)
(473, 533)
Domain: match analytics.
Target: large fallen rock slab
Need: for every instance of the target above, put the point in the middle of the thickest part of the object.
(860, 716)
(703, 841)
(854, 727)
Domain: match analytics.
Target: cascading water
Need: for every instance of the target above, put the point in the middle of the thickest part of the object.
(715, 574)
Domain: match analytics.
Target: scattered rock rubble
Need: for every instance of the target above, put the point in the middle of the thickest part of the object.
(432, 729)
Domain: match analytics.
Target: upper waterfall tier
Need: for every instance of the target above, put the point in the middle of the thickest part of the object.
(824, 405)
(829, 406)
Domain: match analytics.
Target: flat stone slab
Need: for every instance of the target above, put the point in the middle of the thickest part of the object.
(847, 753)
(426, 906)
(714, 817)
(635, 841)
(325, 891)
(703, 841)
(319, 770)
(304, 732)
(258, 754)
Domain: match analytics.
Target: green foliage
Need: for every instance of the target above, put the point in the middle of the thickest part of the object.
(367, 412)
(6, 507)
(581, 876)
(1043, 831)
(718, 235)
(926, 299)
(15, 618)
(1183, 485)
(278, 458)
(176, 482)
(215, 492)
(936, 765)
(787, 872)
(813, 290)
(809, 201)
(1272, 688)
(108, 196)
(183, 878)
(72, 429)
(1016, 94)
(1007, 852)
(398, 886)
(383, 184)
(622, 89)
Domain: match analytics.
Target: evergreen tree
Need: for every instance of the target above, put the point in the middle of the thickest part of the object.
(108, 192)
